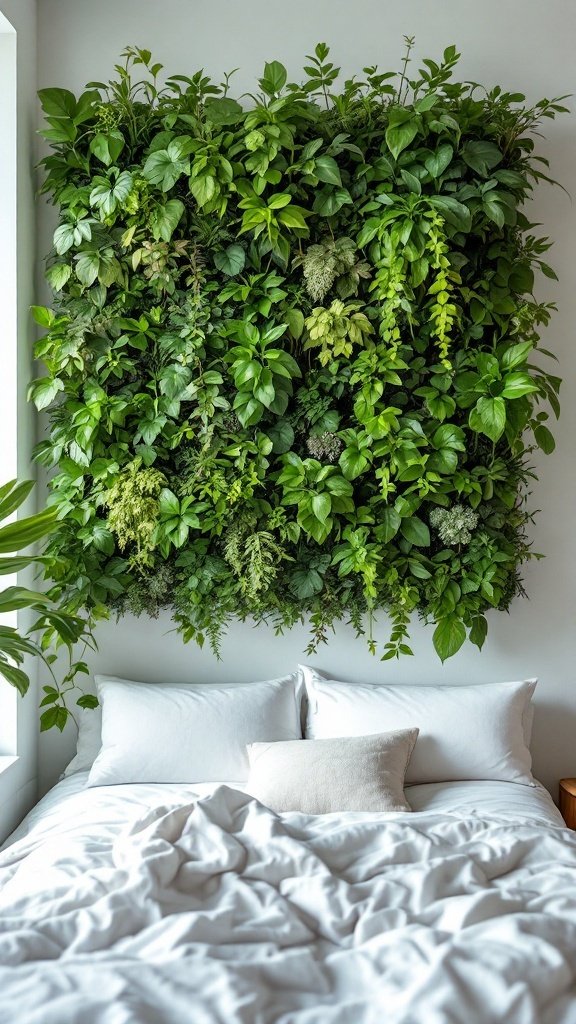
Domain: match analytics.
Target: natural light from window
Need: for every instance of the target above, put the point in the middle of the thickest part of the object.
(8, 305)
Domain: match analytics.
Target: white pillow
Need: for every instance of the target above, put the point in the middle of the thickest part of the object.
(89, 740)
(466, 732)
(189, 733)
(358, 773)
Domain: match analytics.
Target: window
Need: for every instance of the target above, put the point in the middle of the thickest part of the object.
(8, 305)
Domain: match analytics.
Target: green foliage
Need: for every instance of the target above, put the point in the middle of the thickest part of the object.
(54, 626)
(293, 362)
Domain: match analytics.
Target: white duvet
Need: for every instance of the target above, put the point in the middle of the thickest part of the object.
(218, 910)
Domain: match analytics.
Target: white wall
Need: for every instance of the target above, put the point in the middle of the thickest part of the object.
(525, 45)
(18, 718)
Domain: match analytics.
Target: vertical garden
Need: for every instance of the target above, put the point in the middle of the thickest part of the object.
(292, 360)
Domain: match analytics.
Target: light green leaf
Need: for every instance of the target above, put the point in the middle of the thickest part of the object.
(58, 275)
(321, 506)
(352, 462)
(448, 637)
(399, 136)
(515, 355)
(63, 238)
(165, 166)
(489, 417)
(517, 384)
(44, 391)
(203, 188)
(274, 78)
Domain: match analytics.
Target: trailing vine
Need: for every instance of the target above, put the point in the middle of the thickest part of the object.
(292, 360)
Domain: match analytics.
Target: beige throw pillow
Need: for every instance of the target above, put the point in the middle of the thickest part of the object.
(356, 773)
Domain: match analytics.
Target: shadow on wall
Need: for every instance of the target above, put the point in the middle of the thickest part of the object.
(554, 726)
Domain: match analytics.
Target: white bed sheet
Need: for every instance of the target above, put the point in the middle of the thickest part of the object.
(69, 802)
(140, 904)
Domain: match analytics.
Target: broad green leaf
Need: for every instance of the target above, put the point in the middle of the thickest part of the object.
(398, 137)
(281, 434)
(64, 238)
(43, 391)
(415, 531)
(328, 201)
(352, 462)
(87, 700)
(481, 156)
(87, 268)
(43, 316)
(517, 384)
(327, 170)
(274, 78)
(18, 535)
(449, 436)
(222, 110)
(411, 181)
(478, 631)
(437, 163)
(292, 217)
(58, 275)
(58, 102)
(164, 219)
(168, 503)
(453, 211)
(544, 439)
(165, 166)
(54, 717)
(321, 505)
(107, 147)
(295, 321)
(494, 211)
(388, 525)
(448, 637)
(515, 355)
(231, 260)
(305, 583)
(15, 676)
(489, 417)
(203, 188)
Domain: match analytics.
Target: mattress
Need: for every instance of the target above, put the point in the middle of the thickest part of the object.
(197, 905)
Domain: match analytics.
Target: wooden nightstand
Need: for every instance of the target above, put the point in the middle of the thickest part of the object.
(568, 801)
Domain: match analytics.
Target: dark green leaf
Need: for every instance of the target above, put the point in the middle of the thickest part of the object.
(415, 531)
(231, 260)
(327, 170)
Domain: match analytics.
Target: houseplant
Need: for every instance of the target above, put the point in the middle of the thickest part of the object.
(52, 626)
(292, 362)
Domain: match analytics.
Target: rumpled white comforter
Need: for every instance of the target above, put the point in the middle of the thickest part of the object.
(221, 911)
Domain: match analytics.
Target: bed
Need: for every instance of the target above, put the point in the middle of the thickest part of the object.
(195, 902)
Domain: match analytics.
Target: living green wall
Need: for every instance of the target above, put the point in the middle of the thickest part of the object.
(292, 359)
